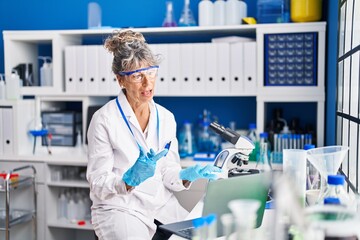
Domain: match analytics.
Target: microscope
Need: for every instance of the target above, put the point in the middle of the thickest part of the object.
(231, 159)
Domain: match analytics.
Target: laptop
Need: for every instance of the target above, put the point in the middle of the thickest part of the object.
(218, 195)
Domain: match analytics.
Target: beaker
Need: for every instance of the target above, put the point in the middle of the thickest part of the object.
(245, 212)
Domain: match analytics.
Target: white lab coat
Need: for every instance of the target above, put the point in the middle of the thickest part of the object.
(112, 150)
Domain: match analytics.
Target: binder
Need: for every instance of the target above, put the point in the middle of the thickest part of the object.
(199, 53)
(186, 68)
(174, 68)
(103, 71)
(1, 132)
(223, 64)
(70, 69)
(210, 69)
(237, 68)
(113, 82)
(81, 74)
(8, 128)
(162, 82)
(92, 75)
(250, 67)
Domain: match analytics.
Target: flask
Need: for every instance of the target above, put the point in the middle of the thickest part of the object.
(263, 163)
(253, 137)
(169, 20)
(62, 206)
(46, 72)
(2, 87)
(186, 140)
(206, 13)
(335, 189)
(235, 10)
(219, 12)
(187, 17)
(13, 86)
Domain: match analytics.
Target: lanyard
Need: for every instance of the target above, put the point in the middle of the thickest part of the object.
(128, 125)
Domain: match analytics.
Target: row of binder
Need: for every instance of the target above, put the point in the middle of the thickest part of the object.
(6, 131)
(185, 69)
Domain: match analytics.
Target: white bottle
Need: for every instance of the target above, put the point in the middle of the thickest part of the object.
(2, 87)
(13, 85)
(81, 211)
(71, 210)
(219, 12)
(46, 72)
(235, 11)
(62, 206)
(206, 13)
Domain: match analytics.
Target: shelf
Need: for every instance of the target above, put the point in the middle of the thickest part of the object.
(69, 183)
(17, 216)
(64, 223)
(22, 182)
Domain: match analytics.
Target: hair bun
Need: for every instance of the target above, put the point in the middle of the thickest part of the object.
(119, 38)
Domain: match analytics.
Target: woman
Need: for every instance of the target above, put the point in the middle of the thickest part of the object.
(133, 162)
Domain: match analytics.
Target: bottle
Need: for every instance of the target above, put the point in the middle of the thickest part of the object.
(78, 140)
(187, 17)
(199, 229)
(253, 137)
(169, 20)
(2, 87)
(62, 206)
(335, 189)
(13, 86)
(46, 72)
(71, 210)
(206, 13)
(186, 140)
(219, 12)
(235, 11)
(211, 226)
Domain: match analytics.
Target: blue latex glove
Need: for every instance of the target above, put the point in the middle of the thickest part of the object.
(196, 172)
(143, 168)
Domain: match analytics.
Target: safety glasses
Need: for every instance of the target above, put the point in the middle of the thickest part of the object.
(137, 76)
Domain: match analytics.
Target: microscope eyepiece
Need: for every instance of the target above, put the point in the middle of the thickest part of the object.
(226, 133)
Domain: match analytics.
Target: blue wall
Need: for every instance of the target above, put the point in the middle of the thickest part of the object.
(70, 14)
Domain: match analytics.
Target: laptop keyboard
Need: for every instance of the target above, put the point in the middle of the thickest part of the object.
(187, 231)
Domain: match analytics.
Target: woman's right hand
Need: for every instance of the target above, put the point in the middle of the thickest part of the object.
(143, 168)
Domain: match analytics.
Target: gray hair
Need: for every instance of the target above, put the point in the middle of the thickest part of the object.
(129, 50)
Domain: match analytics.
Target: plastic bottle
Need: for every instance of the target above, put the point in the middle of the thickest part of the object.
(78, 140)
(2, 87)
(71, 210)
(169, 20)
(206, 13)
(335, 189)
(46, 72)
(186, 140)
(13, 86)
(62, 206)
(235, 11)
(211, 226)
(187, 17)
(199, 229)
(219, 12)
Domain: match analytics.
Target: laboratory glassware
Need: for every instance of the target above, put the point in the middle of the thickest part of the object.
(169, 20)
(327, 161)
(94, 15)
(245, 213)
(335, 189)
(187, 17)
